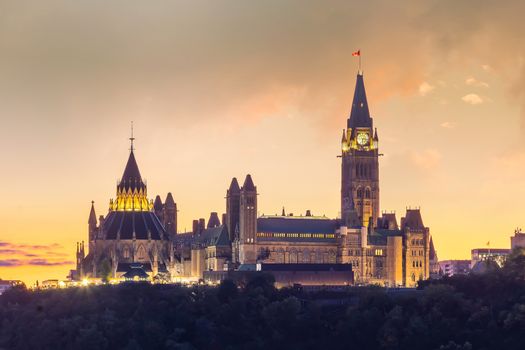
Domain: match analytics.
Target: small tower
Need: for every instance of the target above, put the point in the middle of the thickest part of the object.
(158, 208)
(248, 222)
(92, 223)
(213, 221)
(233, 198)
(80, 255)
(170, 215)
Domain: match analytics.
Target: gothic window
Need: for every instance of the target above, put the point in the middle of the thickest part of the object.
(280, 256)
(367, 193)
(332, 257)
(359, 192)
(306, 256)
(141, 253)
(126, 253)
(293, 256)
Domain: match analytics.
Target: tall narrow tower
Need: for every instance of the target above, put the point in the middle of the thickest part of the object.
(170, 215)
(360, 165)
(248, 222)
(92, 223)
(233, 198)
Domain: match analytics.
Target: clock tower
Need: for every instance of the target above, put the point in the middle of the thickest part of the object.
(360, 165)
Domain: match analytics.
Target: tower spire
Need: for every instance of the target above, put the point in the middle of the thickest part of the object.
(131, 138)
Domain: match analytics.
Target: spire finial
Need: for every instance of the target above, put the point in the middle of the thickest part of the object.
(131, 138)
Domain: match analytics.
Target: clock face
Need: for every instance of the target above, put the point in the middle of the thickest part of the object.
(362, 138)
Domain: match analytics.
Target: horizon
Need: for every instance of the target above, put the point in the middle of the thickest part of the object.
(222, 91)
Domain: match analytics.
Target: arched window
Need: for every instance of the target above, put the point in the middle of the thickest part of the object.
(306, 256)
(367, 193)
(359, 192)
(332, 257)
(293, 256)
(280, 256)
(125, 252)
(141, 254)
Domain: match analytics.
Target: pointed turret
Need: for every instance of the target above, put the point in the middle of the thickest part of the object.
(234, 186)
(343, 139)
(157, 205)
(233, 195)
(214, 220)
(170, 203)
(432, 253)
(92, 221)
(283, 213)
(359, 115)
(169, 216)
(376, 138)
(248, 184)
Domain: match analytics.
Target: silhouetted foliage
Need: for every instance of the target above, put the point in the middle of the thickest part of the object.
(104, 269)
(485, 311)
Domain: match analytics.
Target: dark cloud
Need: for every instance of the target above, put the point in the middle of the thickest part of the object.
(44, 262)
(10, 263)
(32, 255)
(33, 262)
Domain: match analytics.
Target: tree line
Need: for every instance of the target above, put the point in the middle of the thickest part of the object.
(485, 311)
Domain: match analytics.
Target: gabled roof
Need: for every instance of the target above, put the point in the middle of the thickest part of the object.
(294, 224)
(412, 220)
(216, 236)
(131, 177)
(359, 115)
(214, 220)
(380, 236)
(248, 184)
(387, 221)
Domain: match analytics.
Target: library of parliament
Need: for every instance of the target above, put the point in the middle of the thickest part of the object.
(138, 237)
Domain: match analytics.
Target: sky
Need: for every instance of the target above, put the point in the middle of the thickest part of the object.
(218, 89)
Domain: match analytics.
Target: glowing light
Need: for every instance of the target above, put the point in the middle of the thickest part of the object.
(85, 282)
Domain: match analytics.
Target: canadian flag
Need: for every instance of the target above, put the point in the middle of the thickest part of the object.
(356, 53)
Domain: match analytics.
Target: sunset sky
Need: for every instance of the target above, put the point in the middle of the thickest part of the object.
(218, 89)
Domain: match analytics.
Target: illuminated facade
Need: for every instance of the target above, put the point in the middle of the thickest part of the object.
(134, 236)
(378, 249)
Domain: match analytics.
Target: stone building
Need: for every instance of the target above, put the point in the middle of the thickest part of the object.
(380, 250)
(377, 248)
(135, 233)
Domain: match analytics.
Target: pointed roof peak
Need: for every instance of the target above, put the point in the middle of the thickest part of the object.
(169, 200)
(248, 184)
(92, 216)
(360, 114)
(131, 177)
(158, 203)
(234, 186)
